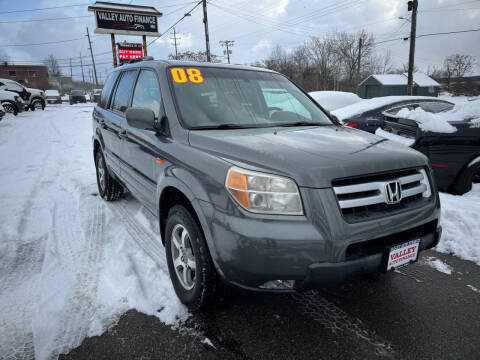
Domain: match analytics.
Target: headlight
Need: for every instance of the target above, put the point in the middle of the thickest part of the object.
(264, 193)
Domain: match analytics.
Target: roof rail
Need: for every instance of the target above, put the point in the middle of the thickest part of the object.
(144, 58)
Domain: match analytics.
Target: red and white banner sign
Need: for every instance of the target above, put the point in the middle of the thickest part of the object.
(129, 51)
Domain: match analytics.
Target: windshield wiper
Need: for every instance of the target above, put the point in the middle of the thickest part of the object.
(221, 127)
(300, 123)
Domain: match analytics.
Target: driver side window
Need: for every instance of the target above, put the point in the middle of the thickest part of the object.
(147, 92)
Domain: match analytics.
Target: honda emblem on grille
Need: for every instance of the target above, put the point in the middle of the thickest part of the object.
(393, 192)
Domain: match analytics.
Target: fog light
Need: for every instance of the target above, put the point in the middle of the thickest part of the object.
(278, 285)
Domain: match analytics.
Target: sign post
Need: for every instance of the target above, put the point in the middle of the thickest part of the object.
(123, 19)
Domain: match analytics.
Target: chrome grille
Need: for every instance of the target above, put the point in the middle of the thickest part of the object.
(362, 200)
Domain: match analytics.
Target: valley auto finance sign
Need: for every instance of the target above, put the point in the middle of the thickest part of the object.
(118, 22)
(128, 51)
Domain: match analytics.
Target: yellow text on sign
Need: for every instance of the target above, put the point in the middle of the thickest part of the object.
(181, 75)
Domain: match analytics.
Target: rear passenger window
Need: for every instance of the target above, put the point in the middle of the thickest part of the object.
(147, 92)
(124, 89)
(107, 89)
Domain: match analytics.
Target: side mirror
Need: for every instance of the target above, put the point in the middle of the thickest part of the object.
(140, 118)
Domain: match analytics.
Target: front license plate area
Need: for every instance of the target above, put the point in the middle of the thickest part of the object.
(402, 254)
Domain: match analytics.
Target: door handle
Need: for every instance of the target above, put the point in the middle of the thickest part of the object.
(122, 134)
(102, 123)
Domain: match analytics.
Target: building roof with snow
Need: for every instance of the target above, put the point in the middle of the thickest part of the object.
(396, 84)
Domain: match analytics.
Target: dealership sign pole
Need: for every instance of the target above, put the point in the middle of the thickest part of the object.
(123, 19)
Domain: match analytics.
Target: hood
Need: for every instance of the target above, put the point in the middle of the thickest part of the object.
(312, 156)
(35, 91)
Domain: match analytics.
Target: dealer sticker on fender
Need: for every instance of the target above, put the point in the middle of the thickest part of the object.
(402, 254)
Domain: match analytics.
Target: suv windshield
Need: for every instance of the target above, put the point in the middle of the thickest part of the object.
(231, 98)
(77, 93)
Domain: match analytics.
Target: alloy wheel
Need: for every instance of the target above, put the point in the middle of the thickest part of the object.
(101, 173)
(183, 257)
(9, 108)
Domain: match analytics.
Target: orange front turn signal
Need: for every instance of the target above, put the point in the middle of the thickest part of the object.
(237, 185)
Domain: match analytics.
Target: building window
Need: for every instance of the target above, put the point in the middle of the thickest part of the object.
(12, 73)
(32, 73)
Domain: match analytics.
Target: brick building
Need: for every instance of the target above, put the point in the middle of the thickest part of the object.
(34, 76)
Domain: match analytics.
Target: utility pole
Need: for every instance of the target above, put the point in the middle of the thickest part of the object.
(227, 43)
(91, 54)
(71, 74)
(412, 6)
(175, 42)
(205, 22)
(359, 59)
(83, 76)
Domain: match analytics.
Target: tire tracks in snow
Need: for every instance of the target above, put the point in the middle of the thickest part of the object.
(143, 237)
(85, 262)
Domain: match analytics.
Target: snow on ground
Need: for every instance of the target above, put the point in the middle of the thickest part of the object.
(70, 263)
(438, 265)
(461, 225)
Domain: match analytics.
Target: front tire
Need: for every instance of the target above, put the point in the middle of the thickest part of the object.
(10, 108)
(108, 188)
(191, 269)
(466, 178)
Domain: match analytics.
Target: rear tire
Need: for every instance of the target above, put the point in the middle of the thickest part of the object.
(207, 287)
(466, 178)
(108, 188)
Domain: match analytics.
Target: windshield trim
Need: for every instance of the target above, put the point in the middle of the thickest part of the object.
(186, 126)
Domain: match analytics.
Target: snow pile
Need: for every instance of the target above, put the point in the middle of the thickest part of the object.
(394, 137)
(440, 122)
(70, 263)
(332, 100)
(371, 104)
(461, 226)
(439, 265)
(428, 121)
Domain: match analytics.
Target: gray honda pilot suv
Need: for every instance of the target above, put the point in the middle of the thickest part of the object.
(253, 183)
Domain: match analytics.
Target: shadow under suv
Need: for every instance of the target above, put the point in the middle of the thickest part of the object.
(254, 185)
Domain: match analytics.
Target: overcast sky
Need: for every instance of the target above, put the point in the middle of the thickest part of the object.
(255, 25)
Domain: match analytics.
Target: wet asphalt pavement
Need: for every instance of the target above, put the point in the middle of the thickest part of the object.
(414, 313)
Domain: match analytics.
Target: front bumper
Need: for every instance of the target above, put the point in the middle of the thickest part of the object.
(250, 250)
(328, 273)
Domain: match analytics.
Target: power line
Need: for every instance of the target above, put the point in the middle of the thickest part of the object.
(51, 19)
(47, 8)
(432, 34)
(171, 27)
(45, 43)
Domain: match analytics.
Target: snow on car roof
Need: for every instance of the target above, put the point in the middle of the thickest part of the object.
(371, 104)
(331, 100)
(52, 92)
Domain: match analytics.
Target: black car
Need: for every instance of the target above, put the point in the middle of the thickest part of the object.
(76, 96)
(369, 116)
(455, 157)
